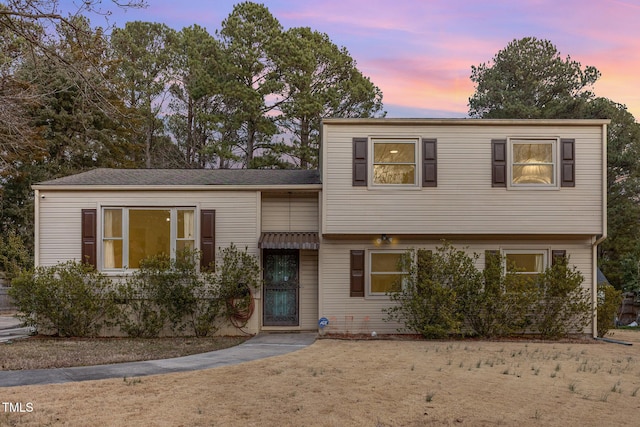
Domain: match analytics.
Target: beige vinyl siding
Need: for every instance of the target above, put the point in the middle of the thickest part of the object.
(363, 315)
(295, 212)
(308, 290)
(237, 218)
(464, 201)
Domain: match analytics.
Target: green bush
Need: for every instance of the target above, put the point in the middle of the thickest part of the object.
(609, 299)
(170, 293)
(498, 305)
(427, 301)
(561, 305)
(69, 299)
(444, 293)
(237, 274)
(14, 255)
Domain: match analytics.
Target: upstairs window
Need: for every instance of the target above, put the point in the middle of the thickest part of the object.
(394, 162)
(533, 162)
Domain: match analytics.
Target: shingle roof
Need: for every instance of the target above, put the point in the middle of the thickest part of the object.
(190, 177)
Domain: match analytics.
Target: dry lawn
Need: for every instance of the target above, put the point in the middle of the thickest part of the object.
(43, 352)
(367, 383)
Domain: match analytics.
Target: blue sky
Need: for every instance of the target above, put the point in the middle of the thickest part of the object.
(420, 53)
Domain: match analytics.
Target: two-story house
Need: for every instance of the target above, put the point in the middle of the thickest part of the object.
(329, 240)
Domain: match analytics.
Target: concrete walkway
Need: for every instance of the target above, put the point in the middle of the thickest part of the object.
(258, 347)
(12, 329)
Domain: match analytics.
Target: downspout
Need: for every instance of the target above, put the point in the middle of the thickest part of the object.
(36, 228)
(600, 238)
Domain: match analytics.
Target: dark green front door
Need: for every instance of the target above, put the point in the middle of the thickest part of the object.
(280, 287)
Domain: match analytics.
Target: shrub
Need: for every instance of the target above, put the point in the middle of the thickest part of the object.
(444, 290)
(562, 305)
(499, 304)
(69, 299)
(172, 292)
(168, 292)
(237, 274)
(427, 301)
(609, 299)
(14, 255)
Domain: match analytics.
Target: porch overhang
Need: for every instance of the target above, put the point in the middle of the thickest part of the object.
(289, 240)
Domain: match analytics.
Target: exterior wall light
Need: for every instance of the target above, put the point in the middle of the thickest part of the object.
(384, 239)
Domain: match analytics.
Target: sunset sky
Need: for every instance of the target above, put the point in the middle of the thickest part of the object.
(420, 53)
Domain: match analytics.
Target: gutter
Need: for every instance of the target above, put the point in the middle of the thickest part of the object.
(221, 187)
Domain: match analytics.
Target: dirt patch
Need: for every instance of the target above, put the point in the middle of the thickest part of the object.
(368, 382)
(41, 352)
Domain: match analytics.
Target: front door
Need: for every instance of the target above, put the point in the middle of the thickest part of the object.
(280, 287)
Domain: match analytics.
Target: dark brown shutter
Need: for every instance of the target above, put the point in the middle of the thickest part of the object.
(357, 274)
(558, 256)
(89, 225)
(429, 163)
(568, 163)
(498, 162)
(207, 239)
(360, 162)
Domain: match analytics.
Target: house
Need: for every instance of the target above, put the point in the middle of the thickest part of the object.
(329, 240)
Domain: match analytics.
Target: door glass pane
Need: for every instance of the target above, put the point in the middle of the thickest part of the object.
(149, 234)
(280, 288)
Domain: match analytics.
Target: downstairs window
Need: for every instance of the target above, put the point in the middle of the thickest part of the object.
(385, 272)
(130, 235)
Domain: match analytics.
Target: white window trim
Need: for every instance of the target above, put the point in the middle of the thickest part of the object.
(173, 235)
(369, 263)
(543, 252)
(417, 156)
(556, 166)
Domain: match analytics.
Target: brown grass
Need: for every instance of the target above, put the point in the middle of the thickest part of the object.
(368, 383)
(44, 352)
